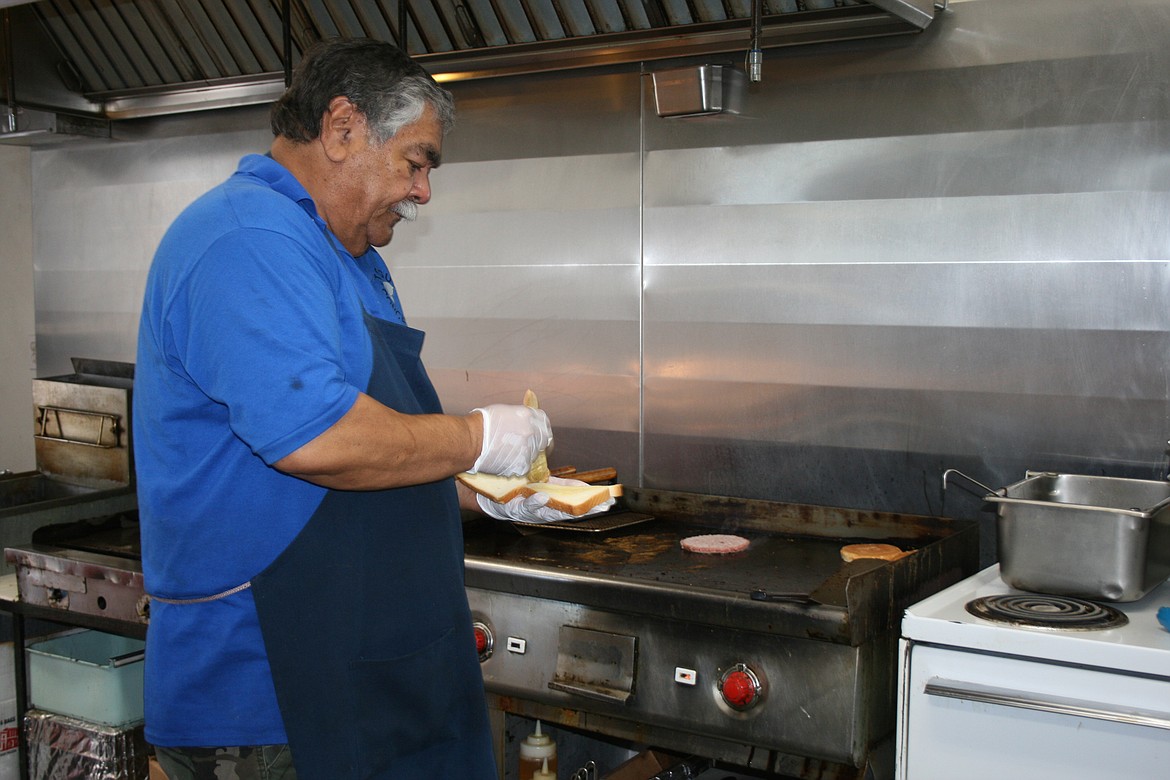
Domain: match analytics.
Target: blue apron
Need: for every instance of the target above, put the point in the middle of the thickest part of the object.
(365, 619)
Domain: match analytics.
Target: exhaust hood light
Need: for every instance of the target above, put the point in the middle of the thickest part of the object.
(698, 91)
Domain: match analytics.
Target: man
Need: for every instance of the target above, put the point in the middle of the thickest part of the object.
(301, 538)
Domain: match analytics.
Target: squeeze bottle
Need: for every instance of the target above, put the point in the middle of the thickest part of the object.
(537, 753)
(545, 773)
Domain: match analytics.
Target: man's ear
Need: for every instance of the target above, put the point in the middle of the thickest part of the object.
(339, 128)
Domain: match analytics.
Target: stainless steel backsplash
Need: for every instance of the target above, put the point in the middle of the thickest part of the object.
(906, 255)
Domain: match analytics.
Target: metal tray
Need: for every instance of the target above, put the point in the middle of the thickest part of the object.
(607, 521)
(1102, 538)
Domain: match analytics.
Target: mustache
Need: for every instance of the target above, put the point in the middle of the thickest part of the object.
(406, 209)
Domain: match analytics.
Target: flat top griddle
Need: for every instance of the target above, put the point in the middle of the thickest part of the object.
(651, 551)
(794, 550)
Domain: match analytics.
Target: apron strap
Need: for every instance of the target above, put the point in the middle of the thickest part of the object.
(205, 599)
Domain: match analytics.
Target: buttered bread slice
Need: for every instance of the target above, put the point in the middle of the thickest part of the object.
(575, 500)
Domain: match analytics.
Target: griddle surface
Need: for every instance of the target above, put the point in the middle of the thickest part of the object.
(652, 552)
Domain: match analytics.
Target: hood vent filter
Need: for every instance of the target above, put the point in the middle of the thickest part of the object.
(144, 57)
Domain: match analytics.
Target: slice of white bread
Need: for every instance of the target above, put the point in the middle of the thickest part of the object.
(575, 500)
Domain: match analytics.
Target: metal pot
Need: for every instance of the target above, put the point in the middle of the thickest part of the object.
(1100, 538)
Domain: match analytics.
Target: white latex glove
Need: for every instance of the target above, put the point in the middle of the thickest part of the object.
(532, 509)
(513, 435)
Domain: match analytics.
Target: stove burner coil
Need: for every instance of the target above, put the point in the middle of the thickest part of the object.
(1044, 611)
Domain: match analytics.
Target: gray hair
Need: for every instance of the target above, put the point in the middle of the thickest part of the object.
(387, 86)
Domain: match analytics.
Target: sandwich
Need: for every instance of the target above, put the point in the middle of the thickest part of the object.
(573, 499)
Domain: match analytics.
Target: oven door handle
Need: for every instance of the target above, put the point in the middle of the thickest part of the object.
(1058, 705)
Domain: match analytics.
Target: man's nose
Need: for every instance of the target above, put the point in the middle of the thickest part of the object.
(420, 191)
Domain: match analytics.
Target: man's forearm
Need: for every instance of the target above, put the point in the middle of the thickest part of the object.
(374, 447)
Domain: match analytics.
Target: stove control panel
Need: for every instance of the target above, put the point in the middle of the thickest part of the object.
(786, 693)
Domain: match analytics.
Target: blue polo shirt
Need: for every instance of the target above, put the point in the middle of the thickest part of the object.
(251, 343)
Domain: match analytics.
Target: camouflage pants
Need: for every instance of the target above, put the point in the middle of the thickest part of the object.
(261, 762)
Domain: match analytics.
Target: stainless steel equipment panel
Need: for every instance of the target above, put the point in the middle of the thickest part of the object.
(80, 582)
(809, 688)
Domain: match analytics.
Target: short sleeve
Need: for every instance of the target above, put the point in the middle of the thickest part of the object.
(258, 330)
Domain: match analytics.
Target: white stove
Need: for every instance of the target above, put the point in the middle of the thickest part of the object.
(988, 687)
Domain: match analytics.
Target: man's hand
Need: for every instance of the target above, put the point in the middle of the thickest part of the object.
(513, 436)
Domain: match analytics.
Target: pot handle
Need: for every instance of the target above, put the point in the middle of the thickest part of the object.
(956, 472)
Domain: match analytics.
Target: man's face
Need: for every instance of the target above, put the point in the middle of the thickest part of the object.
(391, 180)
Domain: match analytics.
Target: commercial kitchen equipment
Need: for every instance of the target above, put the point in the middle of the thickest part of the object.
(130, 58)
(780, 659)
(87, 572)
(1086, 536)
(84, 457)
(72, 585)
(999, 682)
(83, 482)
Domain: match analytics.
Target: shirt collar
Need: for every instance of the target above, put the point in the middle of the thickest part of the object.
(276, 176)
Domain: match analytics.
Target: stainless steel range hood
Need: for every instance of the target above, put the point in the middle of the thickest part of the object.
(120, 59)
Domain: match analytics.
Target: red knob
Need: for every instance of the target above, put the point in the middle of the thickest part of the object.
(483, 640)
(740, 687)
